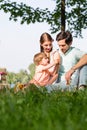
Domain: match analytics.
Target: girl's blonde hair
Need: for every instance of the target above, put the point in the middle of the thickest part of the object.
(38, 57)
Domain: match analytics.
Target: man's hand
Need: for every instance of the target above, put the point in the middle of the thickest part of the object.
(69, 74)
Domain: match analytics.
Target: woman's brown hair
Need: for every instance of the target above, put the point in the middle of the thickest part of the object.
(43, 38)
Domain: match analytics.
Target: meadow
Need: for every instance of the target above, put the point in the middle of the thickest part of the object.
(36, 110)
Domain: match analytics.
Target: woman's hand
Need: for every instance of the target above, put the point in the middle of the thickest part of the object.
(56, 61)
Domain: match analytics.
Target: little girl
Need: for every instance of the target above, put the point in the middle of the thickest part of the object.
(42, 75)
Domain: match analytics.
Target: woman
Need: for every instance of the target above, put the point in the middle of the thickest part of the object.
(46, 46)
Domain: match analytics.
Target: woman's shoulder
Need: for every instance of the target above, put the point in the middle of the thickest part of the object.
(55, 52)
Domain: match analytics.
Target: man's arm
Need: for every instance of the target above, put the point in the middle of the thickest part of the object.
(80, 63)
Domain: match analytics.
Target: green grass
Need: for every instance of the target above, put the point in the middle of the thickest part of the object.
(35, 110)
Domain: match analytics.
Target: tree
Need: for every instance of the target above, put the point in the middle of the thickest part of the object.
(63, 15)
(22, 77)
(71, 14)
(31, 70)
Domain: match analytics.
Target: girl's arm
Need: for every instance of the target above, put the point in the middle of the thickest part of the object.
(50, 65)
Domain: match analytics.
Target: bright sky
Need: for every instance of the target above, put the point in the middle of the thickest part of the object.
(19, 43)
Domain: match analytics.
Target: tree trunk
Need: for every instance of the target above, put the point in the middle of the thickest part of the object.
(62, 15)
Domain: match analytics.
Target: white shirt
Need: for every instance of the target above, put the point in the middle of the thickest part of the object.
(68, 60)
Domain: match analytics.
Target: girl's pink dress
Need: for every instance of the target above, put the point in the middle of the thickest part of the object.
(41, 76)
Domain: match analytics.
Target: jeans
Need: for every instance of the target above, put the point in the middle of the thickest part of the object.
(82, 76)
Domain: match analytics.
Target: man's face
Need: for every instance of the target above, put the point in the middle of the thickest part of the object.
(63, 46)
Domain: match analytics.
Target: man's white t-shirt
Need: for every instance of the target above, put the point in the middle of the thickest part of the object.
(68, 60)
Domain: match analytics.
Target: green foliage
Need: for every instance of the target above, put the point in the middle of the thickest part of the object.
(76, 14)
(22, 77)
(31, 70)
(11, 77)
(35, 110)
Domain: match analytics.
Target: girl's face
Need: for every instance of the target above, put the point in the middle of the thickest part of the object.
(44, 61)
(47, 46)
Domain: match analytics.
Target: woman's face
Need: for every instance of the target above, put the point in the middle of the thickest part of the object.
(47, 46)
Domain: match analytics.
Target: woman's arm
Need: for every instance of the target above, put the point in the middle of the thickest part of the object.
(50, 65)
(55, 56)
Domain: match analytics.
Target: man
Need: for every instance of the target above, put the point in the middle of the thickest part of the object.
(73, 68)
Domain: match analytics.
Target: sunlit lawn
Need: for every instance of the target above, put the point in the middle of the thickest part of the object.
(34, 110)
